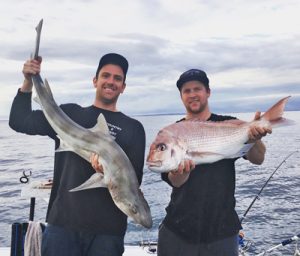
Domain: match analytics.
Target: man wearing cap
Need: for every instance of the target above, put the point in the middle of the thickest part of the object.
(85, 222)
(201, 218)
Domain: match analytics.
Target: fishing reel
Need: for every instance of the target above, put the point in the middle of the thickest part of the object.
(244, 245)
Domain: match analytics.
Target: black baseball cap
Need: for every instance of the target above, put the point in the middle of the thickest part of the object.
(115, 59)
(193, 75)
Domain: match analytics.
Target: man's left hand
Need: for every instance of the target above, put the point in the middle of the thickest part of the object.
(256, 133)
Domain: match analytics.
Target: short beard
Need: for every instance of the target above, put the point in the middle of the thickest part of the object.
(199, 110)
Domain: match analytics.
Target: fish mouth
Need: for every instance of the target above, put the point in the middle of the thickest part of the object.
(154, 163)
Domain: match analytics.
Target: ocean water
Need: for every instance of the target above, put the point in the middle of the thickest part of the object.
(273, 218)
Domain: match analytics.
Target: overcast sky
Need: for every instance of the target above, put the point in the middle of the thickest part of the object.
(249, 49)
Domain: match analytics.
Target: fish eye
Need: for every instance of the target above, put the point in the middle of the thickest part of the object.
(161, 147)
(133, 209)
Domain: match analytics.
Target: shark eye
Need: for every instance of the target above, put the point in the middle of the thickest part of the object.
(133, 208)
(161, 147)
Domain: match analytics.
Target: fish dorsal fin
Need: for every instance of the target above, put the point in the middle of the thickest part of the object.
(224, 123)
(101, 125)
(276, 111)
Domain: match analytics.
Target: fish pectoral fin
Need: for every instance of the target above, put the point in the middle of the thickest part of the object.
(195, 154)
(63, 146)
(95, 181)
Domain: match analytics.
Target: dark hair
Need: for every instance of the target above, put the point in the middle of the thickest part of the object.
(193, 75)
(115, 59)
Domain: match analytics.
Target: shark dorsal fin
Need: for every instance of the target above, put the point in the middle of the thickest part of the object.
(101, 125)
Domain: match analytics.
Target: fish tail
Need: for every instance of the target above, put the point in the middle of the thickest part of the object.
(274, 114)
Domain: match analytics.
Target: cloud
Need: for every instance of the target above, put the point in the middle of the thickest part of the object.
(248, 49)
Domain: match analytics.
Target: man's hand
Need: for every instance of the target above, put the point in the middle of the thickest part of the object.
(256, 133)
(94, 159)
(31, 67)
(186, 166)
(180, 176)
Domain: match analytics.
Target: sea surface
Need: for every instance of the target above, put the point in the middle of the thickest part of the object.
(273, 218)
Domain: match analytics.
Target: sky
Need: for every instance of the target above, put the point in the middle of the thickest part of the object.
(250, 50)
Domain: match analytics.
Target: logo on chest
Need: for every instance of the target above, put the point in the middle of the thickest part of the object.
(113, 129)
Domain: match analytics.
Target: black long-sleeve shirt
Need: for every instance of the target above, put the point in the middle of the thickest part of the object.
(91, 210)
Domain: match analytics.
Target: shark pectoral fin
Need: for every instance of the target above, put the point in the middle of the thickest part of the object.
(95, 181)
(101, 125)
(63, 146)
(243, 151)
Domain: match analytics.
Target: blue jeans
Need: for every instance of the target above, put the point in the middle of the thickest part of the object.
(169, 244)
(58, 241)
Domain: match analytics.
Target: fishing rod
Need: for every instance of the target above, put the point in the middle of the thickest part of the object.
(265, 184)
(283, 243)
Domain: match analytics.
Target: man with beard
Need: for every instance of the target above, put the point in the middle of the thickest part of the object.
(86, 222)
(201, 219)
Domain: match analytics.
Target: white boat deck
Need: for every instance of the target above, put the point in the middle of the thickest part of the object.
(5, 251)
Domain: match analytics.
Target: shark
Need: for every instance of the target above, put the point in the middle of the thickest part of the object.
(118, 175)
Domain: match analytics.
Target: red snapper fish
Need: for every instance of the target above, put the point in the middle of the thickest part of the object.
(208, 142)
